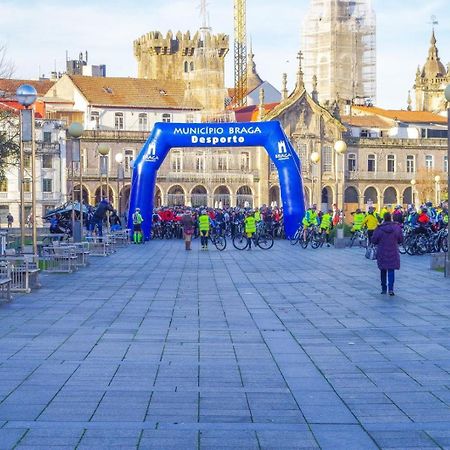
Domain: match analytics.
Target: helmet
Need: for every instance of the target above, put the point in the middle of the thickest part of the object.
(398, 207)
(138, 209)
(424, 210)
(358, 210)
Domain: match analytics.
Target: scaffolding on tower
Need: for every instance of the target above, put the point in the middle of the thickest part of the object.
(240, 53)
(339, 44)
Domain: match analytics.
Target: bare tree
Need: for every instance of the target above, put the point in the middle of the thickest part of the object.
(6, 65)
(9, 126)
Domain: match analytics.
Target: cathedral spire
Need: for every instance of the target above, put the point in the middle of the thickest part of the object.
(284, 91)
(300, 81)
(409, 108)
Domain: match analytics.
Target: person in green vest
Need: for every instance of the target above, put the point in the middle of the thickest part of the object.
(383, 211)
(203, 228)
(250, 228)
(257, 215)
(326, 224)
(310, 219)
(358, 220)
(137, 227)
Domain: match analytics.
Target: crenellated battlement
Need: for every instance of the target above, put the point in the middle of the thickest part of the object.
(197, 59)
(154, 43)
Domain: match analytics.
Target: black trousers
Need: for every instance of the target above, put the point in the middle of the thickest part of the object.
(204, 238)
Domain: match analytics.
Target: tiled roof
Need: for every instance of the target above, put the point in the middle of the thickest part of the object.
(402, 115)
(251, 113)
(367, 121)
(9, 87)
(135, 92)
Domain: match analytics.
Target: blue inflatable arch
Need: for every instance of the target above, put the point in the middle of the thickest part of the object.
(269, 135)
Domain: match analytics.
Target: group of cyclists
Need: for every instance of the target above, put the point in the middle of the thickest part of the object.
(426, 220)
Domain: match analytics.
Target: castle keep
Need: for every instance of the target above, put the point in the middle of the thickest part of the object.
(198, 60)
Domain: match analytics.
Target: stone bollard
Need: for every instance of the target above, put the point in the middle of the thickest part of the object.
(339, 240)
(437, 261)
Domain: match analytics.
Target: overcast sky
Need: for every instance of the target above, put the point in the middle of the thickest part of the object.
(38, 33)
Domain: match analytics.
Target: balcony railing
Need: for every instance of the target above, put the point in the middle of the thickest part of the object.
(214, 177)
(394, 142)
(112, 135)
(378, 176)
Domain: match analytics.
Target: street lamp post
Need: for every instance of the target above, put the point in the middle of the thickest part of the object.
(413, 193)
(120, 177)
(315, 158)
(340, 147)
(26, 96)
(103, 150)
(437, 190)
(447, 97)
(75, 131)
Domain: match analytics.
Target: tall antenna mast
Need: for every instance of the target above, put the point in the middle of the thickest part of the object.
(205, 18)
(240, 52)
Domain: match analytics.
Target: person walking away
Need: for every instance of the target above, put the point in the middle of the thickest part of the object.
(250, 228)
(137, 227)
(387, 237)
(188, 225)
(203, 227)
(371, 223)
(326, 224)
(10, 220)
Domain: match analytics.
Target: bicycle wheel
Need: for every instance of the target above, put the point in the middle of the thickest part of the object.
(220, 242)
(294, 239)
(304, 242)
(240, 242)
(316, 240)
(264, 241)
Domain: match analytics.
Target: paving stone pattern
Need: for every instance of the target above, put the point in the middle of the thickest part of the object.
(159, 348)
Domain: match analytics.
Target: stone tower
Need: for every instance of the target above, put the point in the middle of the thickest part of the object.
(198, 60)
(339, 45)
(431, 81)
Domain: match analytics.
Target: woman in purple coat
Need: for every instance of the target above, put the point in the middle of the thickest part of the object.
(387, 237)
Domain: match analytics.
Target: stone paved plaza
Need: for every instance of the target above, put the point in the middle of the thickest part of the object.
(159, 348)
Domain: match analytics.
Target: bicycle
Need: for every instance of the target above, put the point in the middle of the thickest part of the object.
(361, 236)
(218, 239)
(260, 239)
(296, 236)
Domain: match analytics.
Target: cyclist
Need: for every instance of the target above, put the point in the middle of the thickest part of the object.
(250, 228)
(310, 219)
(204, 226)
(397, 215)
(137, 227)
(370, 222)
(326, 224)
(358, 219)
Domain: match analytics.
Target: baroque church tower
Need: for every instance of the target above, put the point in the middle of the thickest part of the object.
(431, 81)
(339, 44)
(198, 60)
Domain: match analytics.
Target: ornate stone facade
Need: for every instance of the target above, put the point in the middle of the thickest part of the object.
(431, 81)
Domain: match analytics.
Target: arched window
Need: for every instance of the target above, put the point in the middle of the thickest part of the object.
(118, 121)
(186, 67)
(351, 162)
(371, 163)
(370, 196)
(351, 195)
(143, 122)
(191, 66)
(391, 163)
(390, 196)
(410, 164)
(245, 161)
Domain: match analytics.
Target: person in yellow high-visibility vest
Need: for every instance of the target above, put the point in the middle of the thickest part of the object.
(370, 222)
(326, 224)
(137, 227)
(203, 228)
(250, 228)
(358, 219)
